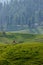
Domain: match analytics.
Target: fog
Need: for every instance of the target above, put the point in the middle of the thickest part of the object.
(4, 1)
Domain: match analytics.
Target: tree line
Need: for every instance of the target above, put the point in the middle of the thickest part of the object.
(21, 12)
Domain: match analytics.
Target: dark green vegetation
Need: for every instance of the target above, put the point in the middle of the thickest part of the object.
(20, 37)
(21, 15)
(27, 51)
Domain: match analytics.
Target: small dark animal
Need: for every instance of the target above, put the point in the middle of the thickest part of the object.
(14, 41)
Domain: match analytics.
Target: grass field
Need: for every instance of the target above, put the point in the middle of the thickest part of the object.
(27, 51)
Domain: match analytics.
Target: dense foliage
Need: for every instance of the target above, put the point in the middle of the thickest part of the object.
(21, 14)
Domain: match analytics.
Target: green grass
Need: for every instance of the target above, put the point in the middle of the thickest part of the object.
(21, 54)
(27, 51)
(20, 37)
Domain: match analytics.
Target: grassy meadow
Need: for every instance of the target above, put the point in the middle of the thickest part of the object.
(26, 50)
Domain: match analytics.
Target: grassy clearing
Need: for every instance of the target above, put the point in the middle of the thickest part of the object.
(20, 38)
(30, 52)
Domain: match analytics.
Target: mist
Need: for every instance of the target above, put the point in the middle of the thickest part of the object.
(4, 1)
